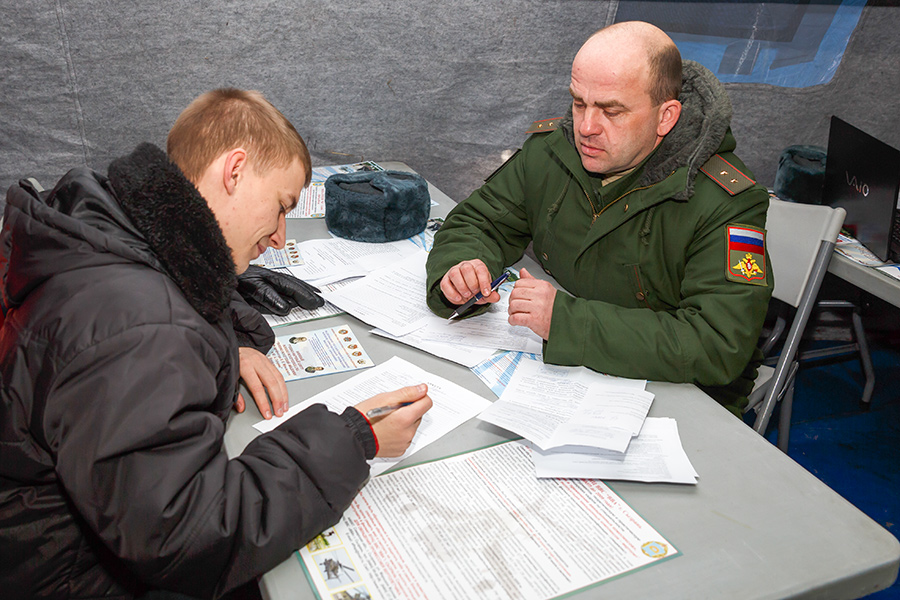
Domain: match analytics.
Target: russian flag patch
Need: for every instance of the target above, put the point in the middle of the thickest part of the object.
(745, 254)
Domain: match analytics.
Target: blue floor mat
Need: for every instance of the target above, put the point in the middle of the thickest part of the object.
(852, 450)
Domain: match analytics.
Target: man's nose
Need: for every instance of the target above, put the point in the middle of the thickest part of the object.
(591, 123)
(277, 239)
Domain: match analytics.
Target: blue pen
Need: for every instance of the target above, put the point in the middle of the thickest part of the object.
(494, 285)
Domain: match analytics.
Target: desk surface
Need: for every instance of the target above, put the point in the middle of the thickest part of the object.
(865, 278)
(757, 525)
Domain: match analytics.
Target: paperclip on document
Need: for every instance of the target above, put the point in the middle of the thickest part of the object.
(494, 285)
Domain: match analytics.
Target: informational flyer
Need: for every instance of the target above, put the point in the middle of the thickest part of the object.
(311, 204)
(320, 352)
(274, 258)
(479, 525)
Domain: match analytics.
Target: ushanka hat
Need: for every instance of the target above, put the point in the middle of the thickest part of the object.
(376, 206)
(801, 174)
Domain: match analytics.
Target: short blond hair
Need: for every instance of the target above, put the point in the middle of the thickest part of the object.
(229, 118)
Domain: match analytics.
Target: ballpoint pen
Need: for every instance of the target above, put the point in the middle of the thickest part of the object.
(383, 410)
(494, 285)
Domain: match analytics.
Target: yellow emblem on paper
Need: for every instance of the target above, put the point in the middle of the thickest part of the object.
(747, 266)
(655, 549)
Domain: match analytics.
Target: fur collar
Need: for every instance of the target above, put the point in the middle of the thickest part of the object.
(179, 226)
(705, 118)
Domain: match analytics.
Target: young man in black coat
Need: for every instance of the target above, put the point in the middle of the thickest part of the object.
(121, 350)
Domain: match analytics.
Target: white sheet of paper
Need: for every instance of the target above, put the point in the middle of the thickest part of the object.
(453, 404)
(496, 371)
(299, 315)
(479, 525)
(391, 298)
(656, 455)
(333, 259)
(466, 356)
(490, 329)
(554, 406)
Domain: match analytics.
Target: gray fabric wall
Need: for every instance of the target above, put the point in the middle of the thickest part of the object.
(445, 87)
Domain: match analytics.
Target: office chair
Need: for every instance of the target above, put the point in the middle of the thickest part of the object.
(800, 241)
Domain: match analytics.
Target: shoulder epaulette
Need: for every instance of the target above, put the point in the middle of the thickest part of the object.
(726, 175)
(545, 125)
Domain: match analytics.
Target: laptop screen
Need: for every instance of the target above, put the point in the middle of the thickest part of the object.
(862, 175)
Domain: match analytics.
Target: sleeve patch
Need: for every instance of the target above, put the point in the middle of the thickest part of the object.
(745, 254)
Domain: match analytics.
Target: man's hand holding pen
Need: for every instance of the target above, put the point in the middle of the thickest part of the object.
(530, 302)
(463, 281)
(395, 428)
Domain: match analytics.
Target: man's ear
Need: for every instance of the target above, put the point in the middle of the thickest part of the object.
(233, 168)
(669, 112)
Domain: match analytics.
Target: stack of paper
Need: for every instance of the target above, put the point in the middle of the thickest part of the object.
(555, 406)
(589, 425)
(655, 455)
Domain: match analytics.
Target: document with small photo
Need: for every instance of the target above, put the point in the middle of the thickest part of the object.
(319, 352)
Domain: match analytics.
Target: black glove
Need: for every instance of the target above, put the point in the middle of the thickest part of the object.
(275, 293)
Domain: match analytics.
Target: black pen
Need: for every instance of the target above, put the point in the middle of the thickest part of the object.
(494, 285)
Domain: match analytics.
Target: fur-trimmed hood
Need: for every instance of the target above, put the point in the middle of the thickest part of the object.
(146, 211)
(705, 118)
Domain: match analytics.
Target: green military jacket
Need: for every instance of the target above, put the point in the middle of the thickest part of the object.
(655, 290)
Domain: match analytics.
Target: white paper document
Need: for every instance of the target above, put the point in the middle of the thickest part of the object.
(391, 298)
(655, 455)
(466, 356)
(853, 249)
(479, 525)
(333, 259)
(490, 329)
(496, 371)
(299, 315)
(320, 174)
(556, 406)
(453, 404)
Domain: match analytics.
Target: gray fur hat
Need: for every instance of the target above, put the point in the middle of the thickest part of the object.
(376, 206)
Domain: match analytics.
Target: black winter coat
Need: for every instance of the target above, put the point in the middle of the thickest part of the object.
(118, 369)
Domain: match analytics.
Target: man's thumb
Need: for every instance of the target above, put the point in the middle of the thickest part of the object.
(524, 274)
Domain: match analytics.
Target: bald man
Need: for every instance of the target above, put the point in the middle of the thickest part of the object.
(639, 209)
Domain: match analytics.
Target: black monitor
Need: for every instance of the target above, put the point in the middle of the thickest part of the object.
(862, 175)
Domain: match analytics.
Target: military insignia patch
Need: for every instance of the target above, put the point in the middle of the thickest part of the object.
(745, 254)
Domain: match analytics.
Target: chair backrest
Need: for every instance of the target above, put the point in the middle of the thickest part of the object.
(794, 233)
(800, 241)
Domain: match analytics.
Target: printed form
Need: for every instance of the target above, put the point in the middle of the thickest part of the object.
(479, 525)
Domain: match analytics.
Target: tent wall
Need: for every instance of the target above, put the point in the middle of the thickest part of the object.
(447, 87)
